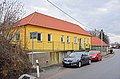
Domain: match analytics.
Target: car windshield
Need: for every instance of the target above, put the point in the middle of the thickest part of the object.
(75, 54)
(92, 53)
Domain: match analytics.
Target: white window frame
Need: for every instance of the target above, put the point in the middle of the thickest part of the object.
(62, 38)
(40, 36)
(68, 39)
(75, 39)
(50, 38)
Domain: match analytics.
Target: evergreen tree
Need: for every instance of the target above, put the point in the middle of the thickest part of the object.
(103, 37)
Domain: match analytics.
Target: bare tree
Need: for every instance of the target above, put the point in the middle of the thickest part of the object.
(13, 60)
(10, 13)
(97, 33)
(94, 33)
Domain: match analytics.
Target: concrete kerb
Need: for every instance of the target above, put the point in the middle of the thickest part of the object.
(109, 55)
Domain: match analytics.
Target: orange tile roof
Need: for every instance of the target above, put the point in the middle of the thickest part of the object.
(41, 20)
(95, 41)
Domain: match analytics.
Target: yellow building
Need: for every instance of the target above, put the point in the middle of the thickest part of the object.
(52, 35)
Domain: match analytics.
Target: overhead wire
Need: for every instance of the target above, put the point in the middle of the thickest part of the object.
(68, 14)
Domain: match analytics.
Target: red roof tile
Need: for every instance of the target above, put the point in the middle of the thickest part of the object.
(98, 42)
(45, 21)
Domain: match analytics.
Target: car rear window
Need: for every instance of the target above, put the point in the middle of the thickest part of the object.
(92, 53)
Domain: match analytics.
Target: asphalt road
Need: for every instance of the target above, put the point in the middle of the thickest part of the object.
(108, 68)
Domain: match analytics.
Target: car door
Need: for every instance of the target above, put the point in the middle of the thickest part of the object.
(98, 55)
(87, 57)
(84, 59)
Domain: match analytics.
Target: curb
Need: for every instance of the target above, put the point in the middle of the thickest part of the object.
(108, 55)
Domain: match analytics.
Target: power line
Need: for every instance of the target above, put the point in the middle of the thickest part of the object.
(67, 14)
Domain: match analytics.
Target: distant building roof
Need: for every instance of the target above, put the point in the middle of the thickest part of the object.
(98, 42)
(45, 21)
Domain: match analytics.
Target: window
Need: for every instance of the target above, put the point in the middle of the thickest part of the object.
(89, 40)
(49, 37)
(68, 39)
(75, 39)
(9, 37)
(17, 37)
(84, 40)
(80, 41)
(39, 36)
(62, 38)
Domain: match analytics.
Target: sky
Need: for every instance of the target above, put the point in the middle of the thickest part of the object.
(95, 14)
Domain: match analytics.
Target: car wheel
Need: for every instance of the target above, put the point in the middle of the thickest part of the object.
(89, 62)
(79, 64)
(101, 59)
(98, 59)
(64, 65)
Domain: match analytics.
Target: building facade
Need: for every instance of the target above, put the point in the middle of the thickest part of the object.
(48, 34)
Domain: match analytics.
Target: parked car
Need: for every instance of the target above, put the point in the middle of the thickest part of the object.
(76, 59)
(95, 55)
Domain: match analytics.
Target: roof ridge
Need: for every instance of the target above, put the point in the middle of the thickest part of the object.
(31, 17)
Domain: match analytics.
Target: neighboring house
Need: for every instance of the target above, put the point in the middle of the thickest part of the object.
(98, 44)
(51, 35)
(117, 45)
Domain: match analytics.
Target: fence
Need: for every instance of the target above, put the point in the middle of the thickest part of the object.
(56, 46)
